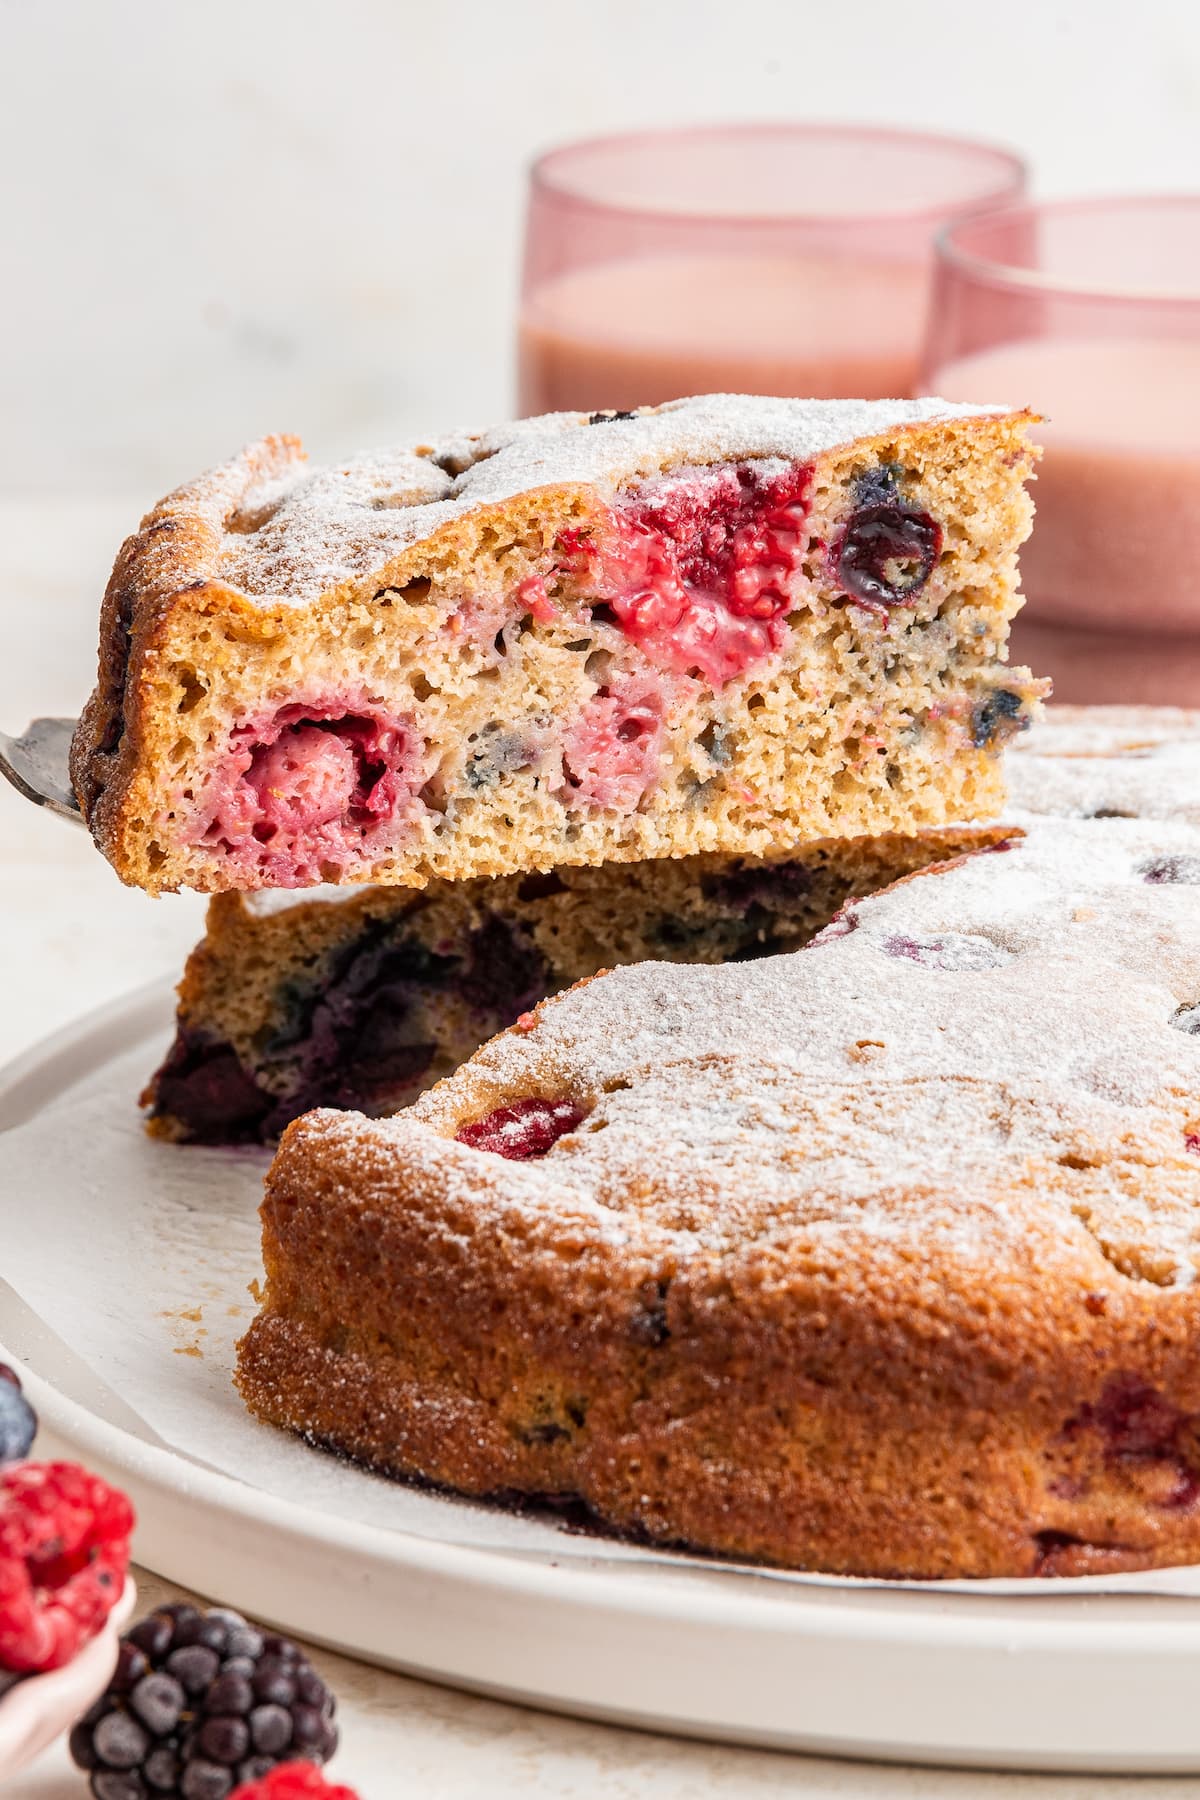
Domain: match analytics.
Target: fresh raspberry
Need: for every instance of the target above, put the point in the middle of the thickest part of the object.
(64, 1550)
(293, 1781)
(523, 1130)
(18, 1422)
(200, 1702)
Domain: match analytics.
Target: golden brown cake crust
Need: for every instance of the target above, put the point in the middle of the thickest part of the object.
(168, 567)
(880, 1258)
(261, 583)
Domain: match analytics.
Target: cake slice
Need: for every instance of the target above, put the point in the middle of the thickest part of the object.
(879, 1258)
(727, 624)
(365, 996)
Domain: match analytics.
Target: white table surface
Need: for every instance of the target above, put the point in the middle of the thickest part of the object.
(71, 938)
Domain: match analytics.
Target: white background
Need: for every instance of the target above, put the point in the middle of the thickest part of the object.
(221, 217)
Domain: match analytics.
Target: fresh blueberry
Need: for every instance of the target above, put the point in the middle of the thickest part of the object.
(18, 1423)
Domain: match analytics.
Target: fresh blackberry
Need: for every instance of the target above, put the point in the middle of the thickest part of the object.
(18, 1422)
(200, 1703)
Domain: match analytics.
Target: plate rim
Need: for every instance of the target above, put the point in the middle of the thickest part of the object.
(607, 1607)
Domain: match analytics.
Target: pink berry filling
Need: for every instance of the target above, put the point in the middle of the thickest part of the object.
(310, 788)
(699, 570)
(611, 753)
(526, 1129)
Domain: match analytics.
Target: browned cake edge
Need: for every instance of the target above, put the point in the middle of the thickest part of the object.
(771, 1406)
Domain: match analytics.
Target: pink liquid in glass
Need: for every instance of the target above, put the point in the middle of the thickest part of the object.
(1113, 567)
(635, 333)
(775, 258)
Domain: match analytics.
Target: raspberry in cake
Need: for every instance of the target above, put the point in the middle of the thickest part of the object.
(879, 1257)
(724, 625)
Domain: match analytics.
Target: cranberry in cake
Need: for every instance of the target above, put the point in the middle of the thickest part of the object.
(364, 996)
(879, 1257)
(724, 625)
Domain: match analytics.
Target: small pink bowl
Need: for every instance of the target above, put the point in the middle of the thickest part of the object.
(42, 1707)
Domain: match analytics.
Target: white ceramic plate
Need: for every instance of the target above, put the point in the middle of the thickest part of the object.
(1061, 1680)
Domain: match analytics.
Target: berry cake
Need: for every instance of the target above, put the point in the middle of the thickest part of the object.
(877, 1258)
(365, 996)
(721, 625)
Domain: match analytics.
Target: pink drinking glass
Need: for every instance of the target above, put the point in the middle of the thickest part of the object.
(768, 259)
(1089, 312)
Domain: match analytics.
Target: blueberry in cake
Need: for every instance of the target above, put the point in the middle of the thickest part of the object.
(879, 1257)
(721, 625)
(364, 996)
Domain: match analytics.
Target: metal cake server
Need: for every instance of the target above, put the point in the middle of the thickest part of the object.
(36, 764)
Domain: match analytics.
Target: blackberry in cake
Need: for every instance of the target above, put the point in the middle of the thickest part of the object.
(724, 625)
(365, 996)
(879, 1257)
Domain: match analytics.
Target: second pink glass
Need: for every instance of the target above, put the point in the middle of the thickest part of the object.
(768, 259)
(1088, 311)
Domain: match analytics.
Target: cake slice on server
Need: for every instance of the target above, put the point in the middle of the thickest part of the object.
(727, 624)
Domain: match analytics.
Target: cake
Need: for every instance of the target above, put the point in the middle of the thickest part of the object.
(877, 1258)
(724, 625)
(365, 996)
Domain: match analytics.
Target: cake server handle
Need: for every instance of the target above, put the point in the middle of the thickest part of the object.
(36, 764)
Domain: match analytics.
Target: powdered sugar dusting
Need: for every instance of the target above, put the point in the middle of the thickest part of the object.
(300, 533)
(1084, 761)
(979, 1059)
